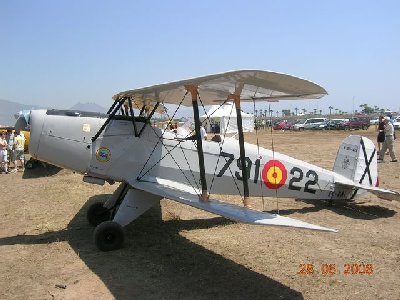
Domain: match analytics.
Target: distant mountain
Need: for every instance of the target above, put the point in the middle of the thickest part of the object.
(89, 107)
(8, 109)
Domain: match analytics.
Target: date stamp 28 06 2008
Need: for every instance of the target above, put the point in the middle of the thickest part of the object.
(330, 269)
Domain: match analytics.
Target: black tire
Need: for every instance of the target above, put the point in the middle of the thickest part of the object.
(109, 236)
(29, 164)
(97, 214)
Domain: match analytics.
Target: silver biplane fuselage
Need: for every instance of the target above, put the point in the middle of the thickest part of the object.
(117, 155)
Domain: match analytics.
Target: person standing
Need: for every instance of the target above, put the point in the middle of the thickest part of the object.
(388, 144)
(3, 153)
(10, 146)
(381, 133)
(19, 146)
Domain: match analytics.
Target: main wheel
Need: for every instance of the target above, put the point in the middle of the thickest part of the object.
(29, 164)
(109, 236)
(97, 214)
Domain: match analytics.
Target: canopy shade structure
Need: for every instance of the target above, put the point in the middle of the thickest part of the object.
(225, 116)
(252, 85)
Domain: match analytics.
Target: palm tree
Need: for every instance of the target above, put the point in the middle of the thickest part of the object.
(296, 109)
(304, 110)
(330, 111)
(320, 111)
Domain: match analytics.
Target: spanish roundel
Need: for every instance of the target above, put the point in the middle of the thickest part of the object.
(274, 174)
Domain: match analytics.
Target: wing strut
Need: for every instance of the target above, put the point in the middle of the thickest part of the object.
(194, 92)
(112, 111)
(245, 176)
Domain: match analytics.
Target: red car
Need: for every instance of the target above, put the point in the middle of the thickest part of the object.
(282, 125)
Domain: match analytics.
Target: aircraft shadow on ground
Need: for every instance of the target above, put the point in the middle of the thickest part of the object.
(157, 260)
(40, 170)
(349, 209)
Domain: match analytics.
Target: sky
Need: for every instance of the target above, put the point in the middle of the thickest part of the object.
(58, 53)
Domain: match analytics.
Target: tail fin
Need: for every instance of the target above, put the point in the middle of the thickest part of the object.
(357, 160)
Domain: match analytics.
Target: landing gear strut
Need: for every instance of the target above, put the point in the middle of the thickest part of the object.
(124, 206)
(97, 214)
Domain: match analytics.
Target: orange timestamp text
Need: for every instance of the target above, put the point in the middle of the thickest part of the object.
(329, 269)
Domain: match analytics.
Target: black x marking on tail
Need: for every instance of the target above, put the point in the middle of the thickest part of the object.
(367, 162)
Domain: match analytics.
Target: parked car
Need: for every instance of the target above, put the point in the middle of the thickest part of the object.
(374, 122)
(283, 125)
(313, 123)
(357, 123)
(279, 125)
(335, 124)
(396, 123)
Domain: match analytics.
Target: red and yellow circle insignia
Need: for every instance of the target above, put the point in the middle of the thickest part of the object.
(274, 174)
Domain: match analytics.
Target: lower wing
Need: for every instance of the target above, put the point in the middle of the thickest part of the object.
(186, 195)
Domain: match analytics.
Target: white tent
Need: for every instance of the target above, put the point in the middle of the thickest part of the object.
(225, 117)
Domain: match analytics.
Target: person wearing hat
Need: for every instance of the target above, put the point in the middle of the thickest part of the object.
(388, 144)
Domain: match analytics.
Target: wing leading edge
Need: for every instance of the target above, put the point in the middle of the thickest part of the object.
(256, 85)
(181, 193)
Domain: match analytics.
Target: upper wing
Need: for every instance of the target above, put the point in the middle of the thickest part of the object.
(257, 85)
(181, 193)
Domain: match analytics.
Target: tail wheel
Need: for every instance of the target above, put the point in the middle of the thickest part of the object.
(109, 236)
(97, 214)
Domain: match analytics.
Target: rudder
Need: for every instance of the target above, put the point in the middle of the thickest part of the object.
(357, 160)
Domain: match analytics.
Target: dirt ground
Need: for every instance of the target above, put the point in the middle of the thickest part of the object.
(47, 252)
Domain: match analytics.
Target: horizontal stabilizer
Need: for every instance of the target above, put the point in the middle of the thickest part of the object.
(185, 194)
(379, 192)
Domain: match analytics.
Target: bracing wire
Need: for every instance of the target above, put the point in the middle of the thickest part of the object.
(222, 143)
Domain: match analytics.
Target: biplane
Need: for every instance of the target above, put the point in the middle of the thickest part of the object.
(152, 163)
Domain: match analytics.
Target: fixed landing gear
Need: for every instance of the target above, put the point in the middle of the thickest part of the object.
(109, 236)
(124, 206)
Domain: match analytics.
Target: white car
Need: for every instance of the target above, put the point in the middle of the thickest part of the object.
(396, 123)
(374, 122)
(313, 123)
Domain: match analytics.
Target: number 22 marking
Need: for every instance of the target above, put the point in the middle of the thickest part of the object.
(298, 176)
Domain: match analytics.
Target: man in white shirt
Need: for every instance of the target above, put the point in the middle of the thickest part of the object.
(389, 141)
